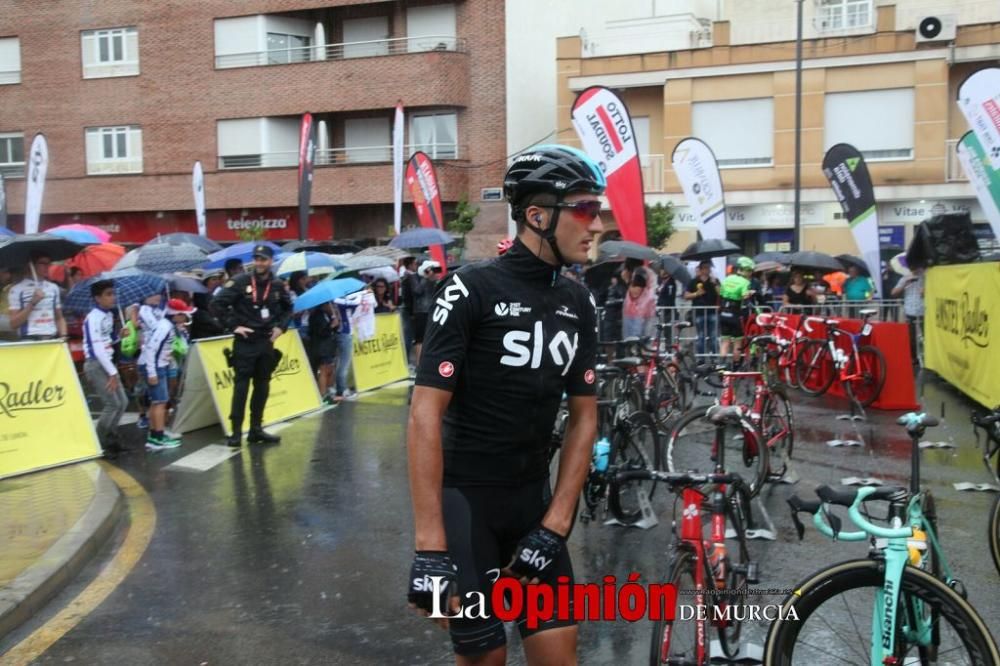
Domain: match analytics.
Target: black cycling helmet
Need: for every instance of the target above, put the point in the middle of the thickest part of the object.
(550, 169)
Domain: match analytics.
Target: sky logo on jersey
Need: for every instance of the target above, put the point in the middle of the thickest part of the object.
(510, 309)
(446, 369)
(563, 311)
(446, 301)
(528, 347)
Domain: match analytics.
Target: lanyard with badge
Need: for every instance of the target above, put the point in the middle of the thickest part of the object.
(265, 314)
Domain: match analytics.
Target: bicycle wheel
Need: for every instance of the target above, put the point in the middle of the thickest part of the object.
(676, 641)
(829, 620)
(814, 369)
(736, 576)
(778, 428)
(634, 445)
(786, 365)
(667, 400)
(691, 446)
(871, 368)
(994, 535)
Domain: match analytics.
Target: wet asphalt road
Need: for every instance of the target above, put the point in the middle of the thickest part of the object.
(298, 553)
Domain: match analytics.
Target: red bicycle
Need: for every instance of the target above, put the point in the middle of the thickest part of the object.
(702, 569)
(776, 351)
(859, 367)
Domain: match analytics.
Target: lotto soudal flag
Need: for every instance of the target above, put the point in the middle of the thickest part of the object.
(422, 181)
(698, 172)
(307, 152)
(397, 168)
(3, 203)
(847, 172)
(603, 124)
(198, 187)
(38, 166)
(984, 178)
(979, 99)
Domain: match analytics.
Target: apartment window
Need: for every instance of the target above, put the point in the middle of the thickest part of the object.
(367, 139)
(365, 37)
(436, 134)
(283, 49)
(850, 118)
(431, 28)
(10, 60)
(844, 14)
(640, 127)
(739, 132)
(12, 154)
(110, 52)
(114, 150)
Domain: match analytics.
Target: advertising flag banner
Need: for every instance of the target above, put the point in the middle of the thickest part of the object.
(397, 169)
(44, 418)
(603, 124)
(422, 181)
(38, 167)
(208, 380)
(198, 186)
(962, 305)
(381, 359)
(3, 203)
(698, 172)
(984, 178)
(847, 172)
(979, 99)
(307, 153)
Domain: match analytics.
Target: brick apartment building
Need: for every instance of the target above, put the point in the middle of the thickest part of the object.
(131, 93)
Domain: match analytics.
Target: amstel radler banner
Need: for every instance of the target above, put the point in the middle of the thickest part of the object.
(380, 360)
(44, 418)
(207, 393)
(960, 326)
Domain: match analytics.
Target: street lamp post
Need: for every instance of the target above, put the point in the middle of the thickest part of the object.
(798, 127)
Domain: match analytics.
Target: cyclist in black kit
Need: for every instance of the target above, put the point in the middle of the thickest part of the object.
(506, 338)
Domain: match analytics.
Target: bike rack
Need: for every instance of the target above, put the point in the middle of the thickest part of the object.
(648, 520)
(861, 481)
(979, 487)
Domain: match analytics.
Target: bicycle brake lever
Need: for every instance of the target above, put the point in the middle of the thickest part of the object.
(799, 527)
(834, 521)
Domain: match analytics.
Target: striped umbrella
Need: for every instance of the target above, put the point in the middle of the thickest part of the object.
(163, 258)
(80, 236)
(131, 286)
(310, 263)
(101, 235)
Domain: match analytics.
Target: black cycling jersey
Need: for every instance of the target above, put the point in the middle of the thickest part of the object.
(507, 337)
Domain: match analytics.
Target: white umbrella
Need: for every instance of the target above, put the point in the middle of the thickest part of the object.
(387, 273)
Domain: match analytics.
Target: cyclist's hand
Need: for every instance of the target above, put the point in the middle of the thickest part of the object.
(433, 572)
(535, 555)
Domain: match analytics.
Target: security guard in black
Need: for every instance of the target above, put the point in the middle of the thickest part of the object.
(256, 307)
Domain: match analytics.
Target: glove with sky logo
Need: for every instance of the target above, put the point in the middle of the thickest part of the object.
(432, 573)
(536, 553)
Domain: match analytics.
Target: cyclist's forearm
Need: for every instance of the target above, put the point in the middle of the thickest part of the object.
(574, 463)
(426, 468)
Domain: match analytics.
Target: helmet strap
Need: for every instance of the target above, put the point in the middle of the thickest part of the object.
(549, 234)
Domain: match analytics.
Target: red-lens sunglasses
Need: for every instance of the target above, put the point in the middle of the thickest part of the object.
(582, 211)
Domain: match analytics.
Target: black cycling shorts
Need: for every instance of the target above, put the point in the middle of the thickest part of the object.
(730, 324)
(483, 526)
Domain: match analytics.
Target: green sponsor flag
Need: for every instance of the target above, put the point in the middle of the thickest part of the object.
(984, 178)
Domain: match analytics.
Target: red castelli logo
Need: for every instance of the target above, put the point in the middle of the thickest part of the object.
(446, 369)
(588, 376)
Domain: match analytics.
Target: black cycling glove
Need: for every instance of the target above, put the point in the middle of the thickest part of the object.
(430, 566)
(536, 554)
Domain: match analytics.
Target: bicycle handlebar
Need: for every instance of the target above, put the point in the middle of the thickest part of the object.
(986, 420)
(830, 525)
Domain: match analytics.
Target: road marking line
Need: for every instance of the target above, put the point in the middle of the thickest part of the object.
(142, 515)
(204, 459)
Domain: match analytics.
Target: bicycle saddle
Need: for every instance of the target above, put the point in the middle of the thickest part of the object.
(916, 423)
(845, 495)
(719, 414)
(627, 362)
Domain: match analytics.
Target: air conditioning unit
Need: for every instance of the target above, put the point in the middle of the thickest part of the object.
(492, 194)
(939, 28)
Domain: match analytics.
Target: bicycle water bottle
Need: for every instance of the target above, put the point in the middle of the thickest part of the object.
(917, 545)
(602, 448)
(840, 358)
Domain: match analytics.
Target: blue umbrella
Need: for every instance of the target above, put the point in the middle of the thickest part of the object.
(131, 286)
(79, 236)
(326, 291)
(423, 237)
(241, 251)
(207, 245)
(311, 263)
(162, 258)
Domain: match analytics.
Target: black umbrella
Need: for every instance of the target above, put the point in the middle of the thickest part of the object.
(710, 249)
(422, 237)
(675, 267)
(599, 274)
(815, 261)
(207, 245)
(17, 250)
(776, 257)
(849, 260)
(627, 250)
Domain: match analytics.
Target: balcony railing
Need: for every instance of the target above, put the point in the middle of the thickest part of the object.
(338, 156)
(953, 166)
(652, 172)
(367, 49)
(12, 170)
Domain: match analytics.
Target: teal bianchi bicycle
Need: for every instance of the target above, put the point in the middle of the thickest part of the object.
(900, 605)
